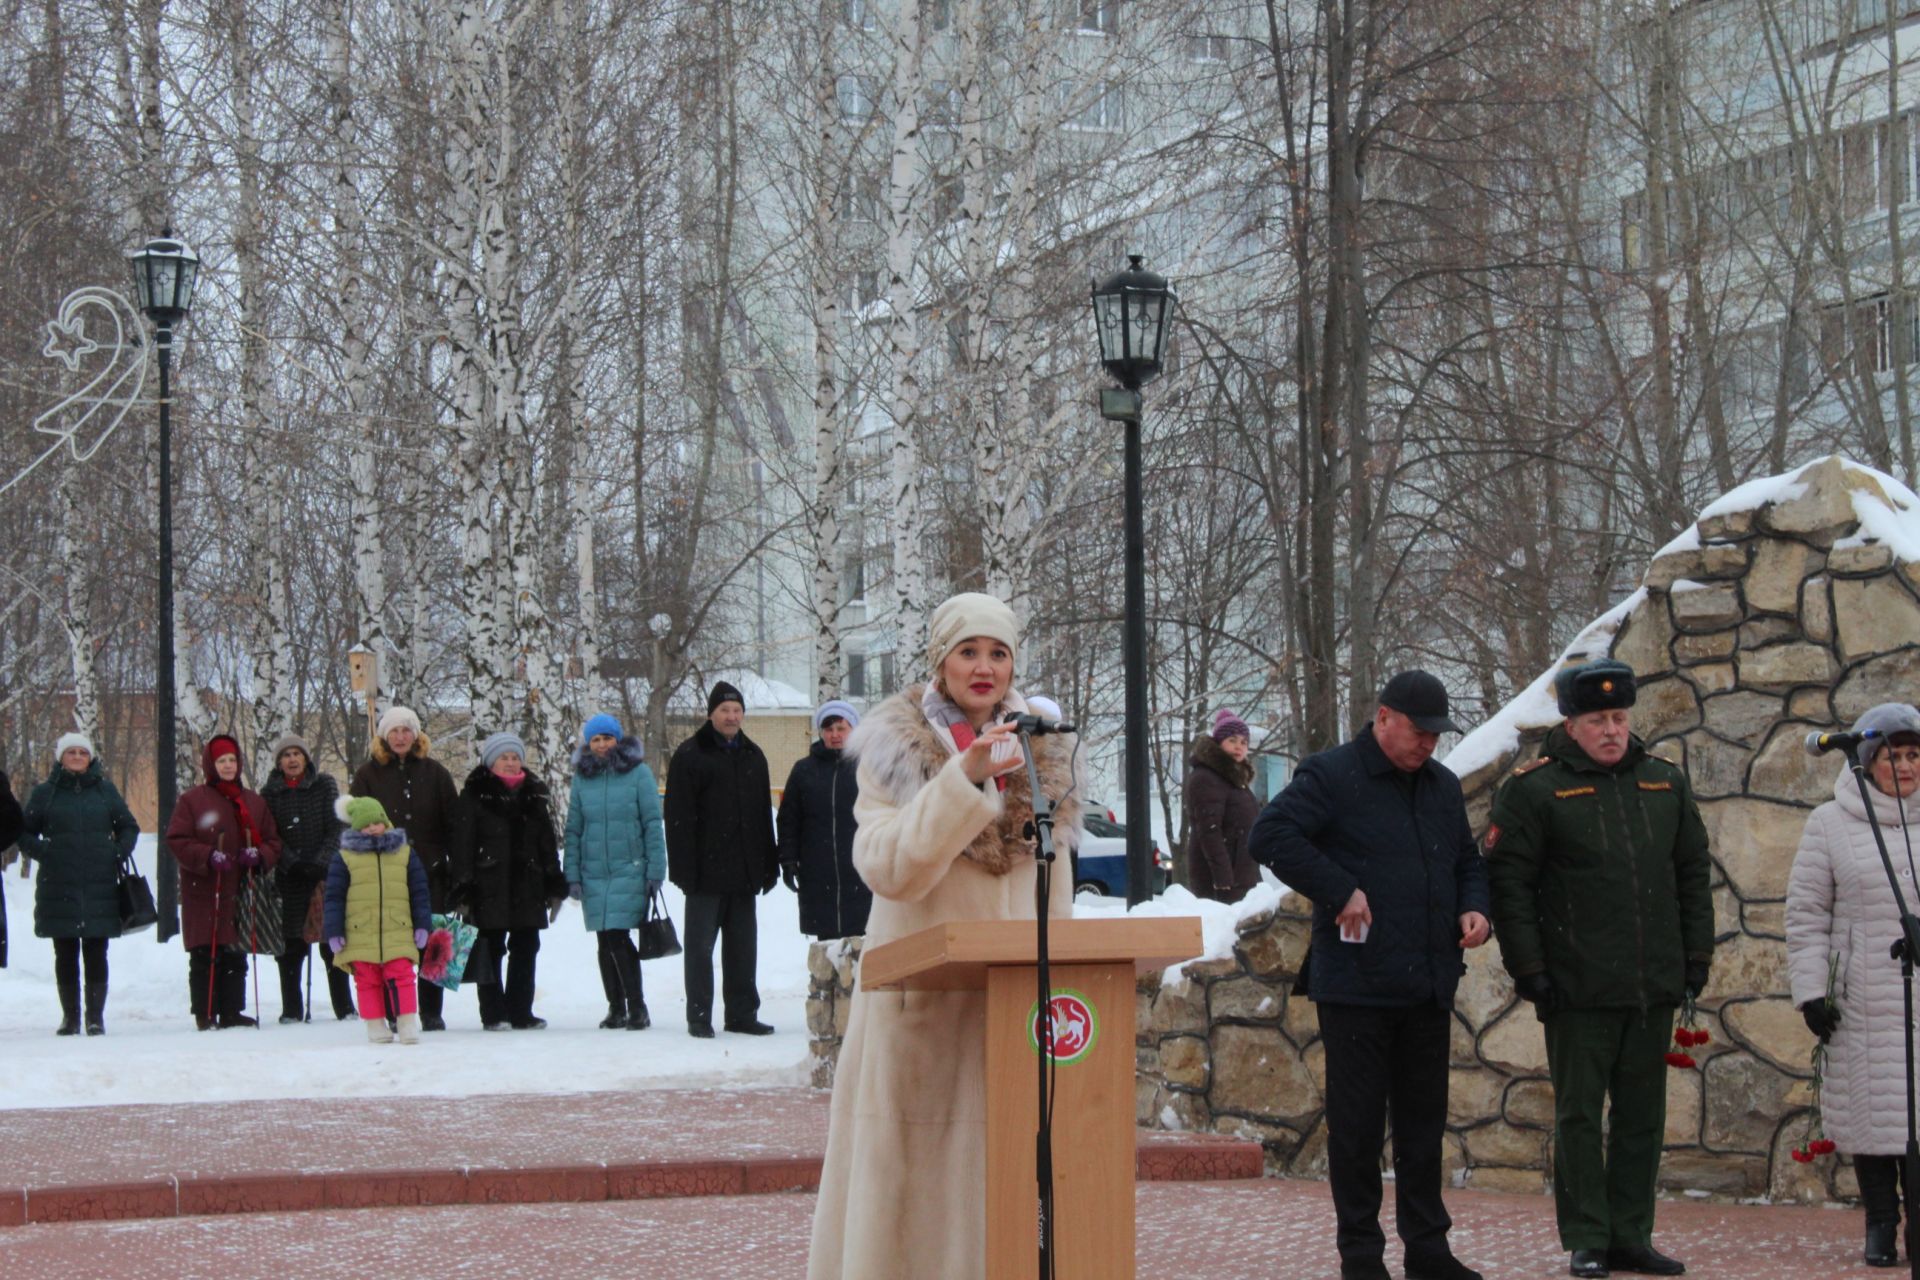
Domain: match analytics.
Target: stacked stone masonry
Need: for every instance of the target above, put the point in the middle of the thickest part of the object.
(1781, 621)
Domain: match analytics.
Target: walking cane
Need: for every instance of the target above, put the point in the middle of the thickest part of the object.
(213, 946)
(253, 958)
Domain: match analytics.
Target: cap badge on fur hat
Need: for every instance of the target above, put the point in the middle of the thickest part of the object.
(1605, 684)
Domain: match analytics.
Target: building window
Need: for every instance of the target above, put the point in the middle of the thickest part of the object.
(939, 14)
(861, 15)
(860, 289)
(857, 97)
(857, 675)
(860, 199)
(1877, 335)
(888, 684)
(1102, 115)
(943, 106)
(1207, 48)
(1101, 16)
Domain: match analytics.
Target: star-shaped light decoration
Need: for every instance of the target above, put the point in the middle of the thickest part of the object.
(69, 343)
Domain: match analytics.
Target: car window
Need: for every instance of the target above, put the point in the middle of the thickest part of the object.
(1098, 826)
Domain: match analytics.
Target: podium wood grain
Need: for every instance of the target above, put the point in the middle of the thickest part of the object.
(1093, 1107)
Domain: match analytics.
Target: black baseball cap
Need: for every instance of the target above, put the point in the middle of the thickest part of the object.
(1420, 697)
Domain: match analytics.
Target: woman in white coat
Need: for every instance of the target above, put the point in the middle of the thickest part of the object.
(1841, 912)
(944, 802)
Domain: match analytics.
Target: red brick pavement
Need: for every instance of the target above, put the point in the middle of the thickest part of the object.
(1257, 1230)
(99, 1163)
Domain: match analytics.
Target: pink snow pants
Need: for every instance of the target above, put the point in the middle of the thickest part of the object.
(371, 981)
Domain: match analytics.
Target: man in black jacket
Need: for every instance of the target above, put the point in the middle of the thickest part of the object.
(720, 853)
(1376, 834)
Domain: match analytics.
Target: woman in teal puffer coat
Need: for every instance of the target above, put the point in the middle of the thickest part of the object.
(616, 856)
(77, 829)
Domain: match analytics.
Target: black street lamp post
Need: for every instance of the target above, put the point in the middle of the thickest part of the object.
(164, 273)
(1130, 311)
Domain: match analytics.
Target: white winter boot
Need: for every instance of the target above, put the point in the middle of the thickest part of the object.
(378, 1031)
(409, 1028)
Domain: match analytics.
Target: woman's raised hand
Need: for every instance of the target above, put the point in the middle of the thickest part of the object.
(994, 752)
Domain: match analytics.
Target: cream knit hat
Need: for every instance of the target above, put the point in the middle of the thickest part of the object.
(966, 615)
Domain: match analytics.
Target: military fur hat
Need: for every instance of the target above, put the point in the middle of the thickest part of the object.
(1604, 684)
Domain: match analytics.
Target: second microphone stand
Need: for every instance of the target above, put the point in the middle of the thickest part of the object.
(1042, 832)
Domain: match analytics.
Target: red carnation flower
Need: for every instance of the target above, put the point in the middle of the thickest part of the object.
(1681, 1061)
(1822, 1147)
(1801, 1155)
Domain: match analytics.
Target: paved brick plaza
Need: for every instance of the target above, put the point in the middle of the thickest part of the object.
(214, 1178)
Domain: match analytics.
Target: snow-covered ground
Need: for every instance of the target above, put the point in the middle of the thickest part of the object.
(151, 1052)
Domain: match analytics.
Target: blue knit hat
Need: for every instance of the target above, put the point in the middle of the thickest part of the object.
(602, 723)
(833, 707)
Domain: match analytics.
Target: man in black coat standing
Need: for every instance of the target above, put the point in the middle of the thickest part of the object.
(720, 853)
(1376, 834)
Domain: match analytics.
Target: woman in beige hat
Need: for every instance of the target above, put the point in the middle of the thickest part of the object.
(943, 809)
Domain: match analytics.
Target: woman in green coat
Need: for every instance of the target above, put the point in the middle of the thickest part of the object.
(78, 829)
(616, 856)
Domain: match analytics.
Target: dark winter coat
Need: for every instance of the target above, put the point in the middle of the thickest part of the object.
(376, 898)
(506, 859)
(1601, 877)
(11, 821)
(1351, 820)
(203, 821)
(77, 829)
(419, 795)
(615, 847)
(719, 816)
(1221, 810)
(816, 836)
(309, 842)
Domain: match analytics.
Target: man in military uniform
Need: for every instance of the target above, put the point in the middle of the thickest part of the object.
(1599, 870)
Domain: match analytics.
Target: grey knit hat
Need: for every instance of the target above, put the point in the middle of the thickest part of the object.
(498, 745)
(286, 740)
(1884, 722)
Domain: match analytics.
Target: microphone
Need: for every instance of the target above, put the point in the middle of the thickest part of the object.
(1818, 744)
(1038, 724)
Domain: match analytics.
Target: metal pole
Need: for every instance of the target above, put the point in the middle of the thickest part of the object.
(165, 779)
(1139, 806)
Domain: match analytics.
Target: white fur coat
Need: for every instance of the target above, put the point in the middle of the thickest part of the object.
(903, 1193)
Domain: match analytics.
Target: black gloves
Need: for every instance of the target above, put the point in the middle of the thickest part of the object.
(1536, 988)
(790, 872)
(1696, 978)
(1822, 1017)
(772, 879)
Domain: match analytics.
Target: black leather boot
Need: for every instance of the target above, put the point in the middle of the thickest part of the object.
(69, 1008)
(1882, 1249)
(96, 1008)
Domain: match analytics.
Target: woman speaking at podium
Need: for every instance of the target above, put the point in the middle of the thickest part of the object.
(943, 813)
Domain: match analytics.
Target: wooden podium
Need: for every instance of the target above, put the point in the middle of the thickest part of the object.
(1093, 963)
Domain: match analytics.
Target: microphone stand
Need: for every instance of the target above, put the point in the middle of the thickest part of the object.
(1041, 829)
(1906, 950)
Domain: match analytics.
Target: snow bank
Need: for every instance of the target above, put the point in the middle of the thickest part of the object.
(1219, 921)
(1536, 707)
(1895, 521)
(151, 1053)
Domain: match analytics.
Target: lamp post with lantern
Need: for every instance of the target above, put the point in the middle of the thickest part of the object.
(1131, 310)
(165, 271)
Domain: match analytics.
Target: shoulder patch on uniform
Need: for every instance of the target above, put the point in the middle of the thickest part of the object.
(1567, 793)
(1493, 836)
(1664, 758)
(1531, 765)
(1655, 786)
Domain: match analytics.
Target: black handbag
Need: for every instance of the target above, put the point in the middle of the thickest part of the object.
(657, 938)
(137, 911)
